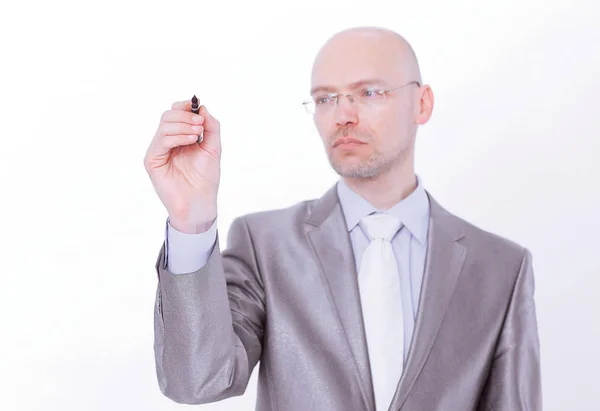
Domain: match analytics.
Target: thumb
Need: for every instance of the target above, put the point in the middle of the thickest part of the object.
(211, 124)
(211, 138)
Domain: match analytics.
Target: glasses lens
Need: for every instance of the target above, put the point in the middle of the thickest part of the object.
(371, 96)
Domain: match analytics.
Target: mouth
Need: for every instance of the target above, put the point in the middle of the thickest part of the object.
(346, 141)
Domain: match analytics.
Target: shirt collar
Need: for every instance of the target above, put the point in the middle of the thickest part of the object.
(413, 210)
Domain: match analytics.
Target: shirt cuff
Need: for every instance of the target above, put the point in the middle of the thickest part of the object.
(186, 253)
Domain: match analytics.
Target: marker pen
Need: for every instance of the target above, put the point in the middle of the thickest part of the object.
(196, 110)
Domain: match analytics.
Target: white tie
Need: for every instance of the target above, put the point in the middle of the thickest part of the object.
(381, 301)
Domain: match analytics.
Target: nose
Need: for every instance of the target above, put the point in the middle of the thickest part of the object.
(345, 111)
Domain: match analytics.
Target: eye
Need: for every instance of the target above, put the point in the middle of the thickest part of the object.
(322, 99)
(370, 92)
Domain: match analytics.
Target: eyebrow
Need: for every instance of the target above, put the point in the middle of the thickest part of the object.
(371, 81)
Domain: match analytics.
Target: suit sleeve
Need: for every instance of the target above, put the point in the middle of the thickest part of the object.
(514, 383)
(208, 324)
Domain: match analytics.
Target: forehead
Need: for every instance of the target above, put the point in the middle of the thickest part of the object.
(347, 61)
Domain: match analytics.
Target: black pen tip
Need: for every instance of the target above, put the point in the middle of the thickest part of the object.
(194, 100)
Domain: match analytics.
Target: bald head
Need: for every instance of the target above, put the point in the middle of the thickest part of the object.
(372, 131)
(366, 51)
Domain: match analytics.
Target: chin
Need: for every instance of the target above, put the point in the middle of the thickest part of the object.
(356, 170)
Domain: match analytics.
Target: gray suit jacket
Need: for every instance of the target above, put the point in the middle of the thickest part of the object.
(285, 292)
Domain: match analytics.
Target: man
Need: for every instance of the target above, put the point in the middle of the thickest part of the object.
(373, 297)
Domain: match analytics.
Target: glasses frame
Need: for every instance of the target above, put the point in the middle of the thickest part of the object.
(351, 96)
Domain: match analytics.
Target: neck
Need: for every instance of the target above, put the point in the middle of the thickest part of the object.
(387, 188)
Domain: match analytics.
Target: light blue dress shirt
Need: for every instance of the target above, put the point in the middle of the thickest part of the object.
(187, 253)
(409, 244)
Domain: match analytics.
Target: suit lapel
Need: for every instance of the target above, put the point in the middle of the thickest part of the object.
(443, 264)
(327, 233)
(330, 240)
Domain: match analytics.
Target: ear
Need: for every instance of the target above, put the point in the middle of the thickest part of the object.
(424, 105)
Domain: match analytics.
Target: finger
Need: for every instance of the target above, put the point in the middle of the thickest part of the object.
(161, 146)
(178, 116)
(169, 142)
(211, 124)
(185, 105)
(173, 129)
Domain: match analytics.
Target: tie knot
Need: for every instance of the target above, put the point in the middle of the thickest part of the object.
(382, 226)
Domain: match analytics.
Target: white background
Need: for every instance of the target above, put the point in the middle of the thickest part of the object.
(513, 147)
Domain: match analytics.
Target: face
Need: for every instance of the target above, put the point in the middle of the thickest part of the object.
(384, 128)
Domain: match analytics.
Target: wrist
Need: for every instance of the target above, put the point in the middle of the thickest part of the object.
(191, 227)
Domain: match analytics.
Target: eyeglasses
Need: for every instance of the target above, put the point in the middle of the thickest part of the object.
(368, 96)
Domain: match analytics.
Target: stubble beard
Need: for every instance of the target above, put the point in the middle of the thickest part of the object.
(370, 168)
(375, 165)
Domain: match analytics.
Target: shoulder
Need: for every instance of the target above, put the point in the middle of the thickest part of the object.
(277, 221)
(483, 245)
